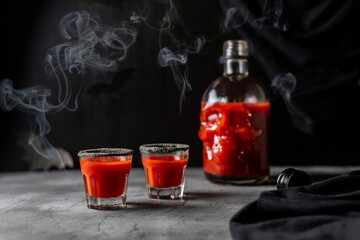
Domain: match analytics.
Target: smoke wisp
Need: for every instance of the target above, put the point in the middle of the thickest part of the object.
(272, 16)
(285, 84)
(233, 13)
(88, 45)
(176, 55)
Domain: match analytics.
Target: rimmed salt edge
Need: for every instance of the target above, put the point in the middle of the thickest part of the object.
(102, 152)
(163, 147)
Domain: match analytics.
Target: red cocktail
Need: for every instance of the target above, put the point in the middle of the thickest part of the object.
(164, 166)
(105, 173)
(164, 171)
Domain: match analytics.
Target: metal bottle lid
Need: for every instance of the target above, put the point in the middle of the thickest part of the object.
(291, 177)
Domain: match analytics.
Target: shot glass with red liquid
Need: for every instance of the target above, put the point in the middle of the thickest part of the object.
(165, 165)
(105, 172)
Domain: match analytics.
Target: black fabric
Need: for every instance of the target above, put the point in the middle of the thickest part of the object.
(317, 41)
(325, 210)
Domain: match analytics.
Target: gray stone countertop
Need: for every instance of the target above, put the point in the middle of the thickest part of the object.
(51, 205)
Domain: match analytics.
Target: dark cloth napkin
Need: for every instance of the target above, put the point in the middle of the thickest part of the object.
(328, 209)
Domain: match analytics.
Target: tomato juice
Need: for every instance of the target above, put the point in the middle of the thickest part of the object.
(105, 177)
(164, 171)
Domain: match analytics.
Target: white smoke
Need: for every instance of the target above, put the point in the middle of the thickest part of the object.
(89, 45)
(285, 84)
(272, 16)
(173, 57)
(233, 13)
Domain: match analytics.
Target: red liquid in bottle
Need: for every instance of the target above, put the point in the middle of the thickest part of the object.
(164, 171)
(105, 177)
(235, 139)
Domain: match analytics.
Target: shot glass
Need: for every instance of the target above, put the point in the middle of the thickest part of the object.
(105, 172)
(165, 165)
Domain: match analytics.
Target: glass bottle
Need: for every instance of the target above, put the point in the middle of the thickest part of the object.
(234, 122)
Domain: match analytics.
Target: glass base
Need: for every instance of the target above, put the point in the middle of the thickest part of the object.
(236, 180)
(166, 193)
(106, 203)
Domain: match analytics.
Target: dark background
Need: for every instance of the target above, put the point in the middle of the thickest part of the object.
(140, 103)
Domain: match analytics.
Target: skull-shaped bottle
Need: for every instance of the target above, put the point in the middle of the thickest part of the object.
(234, 122)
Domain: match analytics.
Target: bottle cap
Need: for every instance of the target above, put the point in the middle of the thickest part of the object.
(235, 49)
(291, 177)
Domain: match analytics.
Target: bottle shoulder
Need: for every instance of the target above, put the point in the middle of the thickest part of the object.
(236, 88)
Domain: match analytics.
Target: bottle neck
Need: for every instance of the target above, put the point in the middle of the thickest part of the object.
(236, 66)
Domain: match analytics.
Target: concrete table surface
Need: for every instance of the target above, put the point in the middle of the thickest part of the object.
(51, 205)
